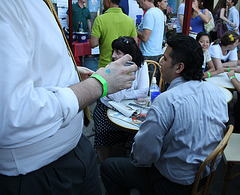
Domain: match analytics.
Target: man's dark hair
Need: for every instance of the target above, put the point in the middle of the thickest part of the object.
(187, 50)
(129, 46)
(115, 2)
(235, 2)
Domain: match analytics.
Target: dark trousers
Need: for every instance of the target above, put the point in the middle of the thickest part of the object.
(74, 173)
(119, 176)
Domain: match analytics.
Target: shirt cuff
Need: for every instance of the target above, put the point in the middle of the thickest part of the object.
(69, 103)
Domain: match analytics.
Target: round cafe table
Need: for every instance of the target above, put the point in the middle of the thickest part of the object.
(228, 95)
(223, 80)
(126, 124)
(122, 122)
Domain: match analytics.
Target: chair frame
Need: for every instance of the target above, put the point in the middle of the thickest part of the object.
(211, 159)
(156, 65)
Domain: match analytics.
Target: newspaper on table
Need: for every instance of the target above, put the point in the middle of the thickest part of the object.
(124, 108)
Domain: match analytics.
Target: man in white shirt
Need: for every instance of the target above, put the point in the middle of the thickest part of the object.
(42, 149)
(233, 16)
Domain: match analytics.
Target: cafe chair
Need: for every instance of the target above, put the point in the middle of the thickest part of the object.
(151, 69)
(161, 81)
(204, 188)
(231, 156)
(153, 66)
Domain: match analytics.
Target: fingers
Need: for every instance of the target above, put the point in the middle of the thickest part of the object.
(123, 59)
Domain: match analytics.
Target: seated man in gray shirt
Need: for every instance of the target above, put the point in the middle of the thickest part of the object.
(182, 127)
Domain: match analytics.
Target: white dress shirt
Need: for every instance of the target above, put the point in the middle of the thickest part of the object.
(39, 119)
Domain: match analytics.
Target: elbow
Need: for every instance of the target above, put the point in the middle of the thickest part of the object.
(144, 40)
(92, 45)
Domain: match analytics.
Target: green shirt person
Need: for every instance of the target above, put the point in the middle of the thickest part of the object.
(80, 14)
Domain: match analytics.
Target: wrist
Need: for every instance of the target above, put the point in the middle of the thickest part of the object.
(209, 74)
(199, 13)
(103, 82)
(232, 77)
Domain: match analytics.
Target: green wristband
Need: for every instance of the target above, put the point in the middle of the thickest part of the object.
(229, 69)
(209, 75)
(104, 83)
(232, 77)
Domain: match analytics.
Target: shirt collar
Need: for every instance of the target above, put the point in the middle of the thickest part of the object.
(114, 10)
(177, 81)
(79, 6)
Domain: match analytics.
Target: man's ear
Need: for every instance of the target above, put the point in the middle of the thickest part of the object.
(179, 67)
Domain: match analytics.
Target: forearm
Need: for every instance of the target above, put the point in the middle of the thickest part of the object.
(87, 91)
(230, 64)
(89, 25)
(205, 17)
(144, 35)
(140, 35)
(236, 84)
(94, 41)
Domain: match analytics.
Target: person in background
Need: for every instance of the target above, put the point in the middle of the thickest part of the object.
(165, 146)
(108, 134)
(220, 19)
(162, 5)
(233, 16)
(224, 52)
(42, 147)
(150, 33)
(199, 17)
(180, 17)
(208, 67)
(108, 27)
(236, 84)
(80, 14)
(151, 30)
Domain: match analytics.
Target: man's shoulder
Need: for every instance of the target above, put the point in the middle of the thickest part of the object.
(75, 6)
(154, 13)
(235, 11)
(86, 9)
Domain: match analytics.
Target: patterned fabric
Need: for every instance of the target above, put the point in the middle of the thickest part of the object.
(106, 133)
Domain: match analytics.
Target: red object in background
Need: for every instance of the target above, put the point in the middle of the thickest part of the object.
(81, 49)
(187, 17)
(70, 23)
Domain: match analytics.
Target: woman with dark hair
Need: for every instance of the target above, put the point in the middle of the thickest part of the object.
(220, 20)
(224, 52)
(106, 133)
(209, 70)
(199, 17)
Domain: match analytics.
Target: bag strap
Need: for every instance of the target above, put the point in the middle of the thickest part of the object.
(87, 116)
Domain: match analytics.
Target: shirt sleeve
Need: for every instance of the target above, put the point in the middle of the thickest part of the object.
(148, 21)
(96, 29)
(215, 51)
(148, 142)
(235, 16)
(139, 89)
(30, 110)
(233, 56)
(181, 10)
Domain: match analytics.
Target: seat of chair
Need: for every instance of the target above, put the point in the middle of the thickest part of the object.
(231, 153)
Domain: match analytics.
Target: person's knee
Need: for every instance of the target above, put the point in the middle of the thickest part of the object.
(106, 165)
